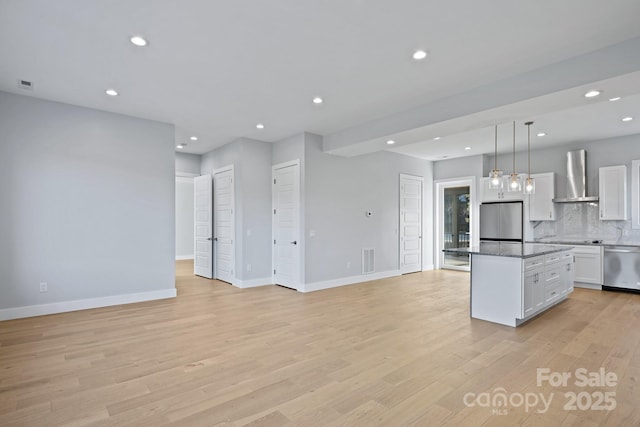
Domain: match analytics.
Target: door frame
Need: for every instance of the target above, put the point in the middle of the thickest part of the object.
(440, 185)
(299, 285)
(421, 179)
(233, 216)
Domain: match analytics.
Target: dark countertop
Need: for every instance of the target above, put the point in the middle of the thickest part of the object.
(508, 249)
(572, 242)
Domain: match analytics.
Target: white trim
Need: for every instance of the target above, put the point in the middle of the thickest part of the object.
(295, 162)
(327, 284)
(253, 283)
(428, 267)
(438, 225)
(186, 175)
(587, 286)
(185, 179)
(635, 194)
(183, 257)
(84, 304)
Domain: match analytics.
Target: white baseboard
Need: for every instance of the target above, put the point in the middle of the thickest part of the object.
(253, 283)
(428, 267)
(183, 257)
(83, 304)
(327, 284)
(587, 286)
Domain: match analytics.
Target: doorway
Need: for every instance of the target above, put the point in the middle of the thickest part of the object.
(455, 221)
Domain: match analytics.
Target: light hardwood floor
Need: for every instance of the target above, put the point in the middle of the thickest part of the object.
(394, 352)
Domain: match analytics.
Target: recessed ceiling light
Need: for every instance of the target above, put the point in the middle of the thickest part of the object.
(111, 92)
(592, 93)
(542, 134)
(138, 41)
(194, 138)
(260, 126)
(627, 119)
(181, 146)
(318, 100)
(419, 54)
(617, 98)
(391, 142)
(436, 138)
(467, 148)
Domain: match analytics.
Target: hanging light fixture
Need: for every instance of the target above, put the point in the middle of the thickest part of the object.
(495, 176)
(530, 183)
(514, 180)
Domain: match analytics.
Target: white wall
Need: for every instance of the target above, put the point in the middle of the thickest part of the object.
(338, 193)
(184, 218)
(86, 205)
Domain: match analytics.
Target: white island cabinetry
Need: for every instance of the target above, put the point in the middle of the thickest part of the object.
(513, 282)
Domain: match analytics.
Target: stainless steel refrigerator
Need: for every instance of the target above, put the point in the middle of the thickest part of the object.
(501, 221)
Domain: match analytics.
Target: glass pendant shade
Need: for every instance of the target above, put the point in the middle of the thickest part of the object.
(530, 186)
(513, 183)
(495, 179)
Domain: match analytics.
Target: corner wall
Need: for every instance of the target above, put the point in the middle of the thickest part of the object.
(339, 191)
(252, 169)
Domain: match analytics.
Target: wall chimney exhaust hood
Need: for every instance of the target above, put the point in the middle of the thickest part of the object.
(577, 179)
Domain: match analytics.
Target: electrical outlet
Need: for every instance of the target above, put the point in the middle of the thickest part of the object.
(44, 287)
(248, 267)
(349, 264)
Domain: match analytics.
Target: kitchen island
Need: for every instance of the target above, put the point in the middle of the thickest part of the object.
(513, 282)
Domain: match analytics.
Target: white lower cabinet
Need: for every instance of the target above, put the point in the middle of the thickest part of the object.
(546, 280)
(533, 291)
(588, 264)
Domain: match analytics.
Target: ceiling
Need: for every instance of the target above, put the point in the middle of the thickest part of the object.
(215, 69)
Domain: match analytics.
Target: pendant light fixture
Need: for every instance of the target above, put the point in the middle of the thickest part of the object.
(530, 183)
(495, 176)
(514, 180)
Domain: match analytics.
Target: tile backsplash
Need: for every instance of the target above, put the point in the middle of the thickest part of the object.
(580, 221)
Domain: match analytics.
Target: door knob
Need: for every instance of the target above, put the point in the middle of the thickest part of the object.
(215, 239)
(295, 242)
(209, 239)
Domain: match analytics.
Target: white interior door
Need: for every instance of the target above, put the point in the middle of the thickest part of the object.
(410, 223)
(203, 212)
(286, 225)
(224, 224)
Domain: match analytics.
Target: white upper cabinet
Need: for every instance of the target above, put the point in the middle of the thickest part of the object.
(541, 207)
(613, 192)
(501, 195)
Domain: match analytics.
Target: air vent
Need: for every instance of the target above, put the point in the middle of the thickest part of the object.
(368, 260)
(25, 84)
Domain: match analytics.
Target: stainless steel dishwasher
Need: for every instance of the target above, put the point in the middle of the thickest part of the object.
(622, 268)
